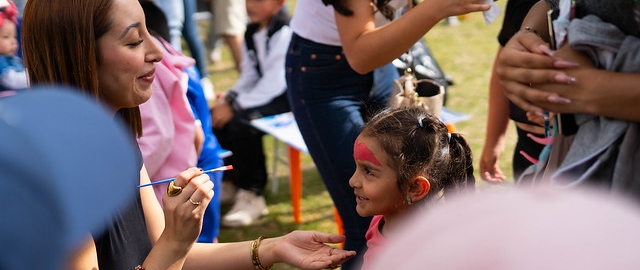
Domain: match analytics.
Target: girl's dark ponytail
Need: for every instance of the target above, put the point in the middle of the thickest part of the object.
(460, 166)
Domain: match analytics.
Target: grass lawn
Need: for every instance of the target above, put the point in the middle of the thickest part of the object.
(465, 52)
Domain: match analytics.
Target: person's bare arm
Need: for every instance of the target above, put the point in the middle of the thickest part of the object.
(497, 124)
(302, 249)
(84, 256)
(367, 47)
(536, 20)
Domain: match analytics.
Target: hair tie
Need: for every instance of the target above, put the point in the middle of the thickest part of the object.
(449, 139)
(420, 122)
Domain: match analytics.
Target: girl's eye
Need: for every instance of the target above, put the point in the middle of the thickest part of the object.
(367, 171)
(135, 44)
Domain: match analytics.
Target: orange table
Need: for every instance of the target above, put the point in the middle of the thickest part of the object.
(283, 127)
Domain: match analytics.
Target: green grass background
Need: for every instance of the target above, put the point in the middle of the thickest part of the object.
(465, 52)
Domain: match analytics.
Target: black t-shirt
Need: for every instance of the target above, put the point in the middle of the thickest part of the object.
(125, 244)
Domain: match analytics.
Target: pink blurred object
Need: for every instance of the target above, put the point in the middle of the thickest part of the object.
(522, 229)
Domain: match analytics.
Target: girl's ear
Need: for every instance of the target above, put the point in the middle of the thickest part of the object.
(420, 186)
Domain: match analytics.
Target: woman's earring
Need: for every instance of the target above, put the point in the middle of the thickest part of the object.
(409, 202)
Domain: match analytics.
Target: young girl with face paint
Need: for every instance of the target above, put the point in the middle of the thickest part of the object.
(405, 158)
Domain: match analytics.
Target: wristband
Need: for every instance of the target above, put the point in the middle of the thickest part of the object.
(255, 258)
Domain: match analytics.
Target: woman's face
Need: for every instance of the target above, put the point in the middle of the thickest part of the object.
(127, 57)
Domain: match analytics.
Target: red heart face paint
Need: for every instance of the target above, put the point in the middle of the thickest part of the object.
(362, 152)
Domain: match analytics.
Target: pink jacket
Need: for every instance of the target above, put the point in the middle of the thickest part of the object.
(168, 124)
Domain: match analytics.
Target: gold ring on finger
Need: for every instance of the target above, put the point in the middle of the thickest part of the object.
(173, 190)
(194, 203)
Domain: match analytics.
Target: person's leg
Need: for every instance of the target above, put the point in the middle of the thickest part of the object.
(249, 163)
(213, 42)
(235, 46)
(326, 98)
(248, 145)
(249, 174)
(174, 10)
(20, 6)
(249, 159)
(191, 34)
(230, 22)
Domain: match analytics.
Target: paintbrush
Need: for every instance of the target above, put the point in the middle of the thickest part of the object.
(219, 169)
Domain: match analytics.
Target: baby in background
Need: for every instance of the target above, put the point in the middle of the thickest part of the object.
(13, 75)
(405, 158)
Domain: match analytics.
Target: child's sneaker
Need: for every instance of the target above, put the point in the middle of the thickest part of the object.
(248, 208)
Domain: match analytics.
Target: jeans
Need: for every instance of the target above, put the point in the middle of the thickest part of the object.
(191, 35)
(174, 10)
(20, 5)
(383, 79)
(330, 102)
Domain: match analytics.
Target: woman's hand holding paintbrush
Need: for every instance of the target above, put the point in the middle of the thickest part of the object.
(219, 169)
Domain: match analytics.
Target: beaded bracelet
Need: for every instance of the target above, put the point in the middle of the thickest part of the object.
(255, 258)
(139, 267)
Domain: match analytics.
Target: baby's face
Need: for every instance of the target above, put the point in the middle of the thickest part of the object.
(8, 38)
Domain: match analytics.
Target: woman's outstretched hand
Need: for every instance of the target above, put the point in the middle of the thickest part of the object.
(308, 250)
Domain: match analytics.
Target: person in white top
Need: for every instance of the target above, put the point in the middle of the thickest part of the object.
(334, 49)
(259, 92)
